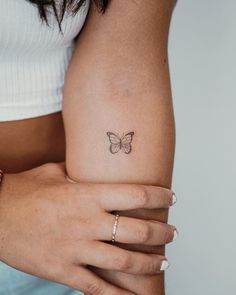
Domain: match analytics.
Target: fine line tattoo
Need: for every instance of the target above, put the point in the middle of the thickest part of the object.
(122, 143)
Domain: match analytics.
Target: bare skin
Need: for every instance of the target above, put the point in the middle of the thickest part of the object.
(43, 194)
(53, 229)
(29, 143)
(26, 144)
(118, 84)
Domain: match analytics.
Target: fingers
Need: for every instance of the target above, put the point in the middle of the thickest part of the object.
(126, 197)
(135, 231)
(83, 279)
(138, 247)
(110, 257)
(139, 284)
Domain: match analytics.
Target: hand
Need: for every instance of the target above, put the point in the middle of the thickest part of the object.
(54, 229)
(141, 284)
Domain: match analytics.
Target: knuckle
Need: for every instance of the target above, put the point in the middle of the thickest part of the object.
(45, 165)
(123, 262)
(142, 196)
(49, 166)
(66, 277)
(152, 267)
(56, 272)
(149, 265)
(144, 232)
(94, 288)
(168, 234)
(51, 169)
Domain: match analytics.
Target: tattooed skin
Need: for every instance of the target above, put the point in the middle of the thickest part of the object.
(122, 143)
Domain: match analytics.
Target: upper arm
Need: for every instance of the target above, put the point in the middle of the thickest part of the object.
(128, 41)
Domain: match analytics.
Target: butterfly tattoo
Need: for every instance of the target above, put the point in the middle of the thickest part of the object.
(120, 143)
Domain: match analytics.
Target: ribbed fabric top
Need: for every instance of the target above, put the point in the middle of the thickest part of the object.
(33, 59)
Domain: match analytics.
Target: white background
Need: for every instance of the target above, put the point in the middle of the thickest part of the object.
(202, 53)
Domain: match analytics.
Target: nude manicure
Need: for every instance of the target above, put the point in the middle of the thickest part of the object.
(164, 265)
(174, 199)
(176, 234)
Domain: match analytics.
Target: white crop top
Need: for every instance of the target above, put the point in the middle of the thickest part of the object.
(33, 59)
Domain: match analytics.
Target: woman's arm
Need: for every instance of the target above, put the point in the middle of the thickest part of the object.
(118, 81)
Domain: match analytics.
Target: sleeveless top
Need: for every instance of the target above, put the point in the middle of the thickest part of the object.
(33, 61)
(34, 58)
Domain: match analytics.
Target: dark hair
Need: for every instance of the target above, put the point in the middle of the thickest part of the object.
(64, 5)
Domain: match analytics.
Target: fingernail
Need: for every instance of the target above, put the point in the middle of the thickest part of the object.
(174, 199)
(176, 234)
(164, 265)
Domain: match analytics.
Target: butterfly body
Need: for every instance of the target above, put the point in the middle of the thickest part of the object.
(118, 143)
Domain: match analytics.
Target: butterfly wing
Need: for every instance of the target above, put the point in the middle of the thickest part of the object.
(115, 142)
(126, 142)
(114, 148)
(126, 148)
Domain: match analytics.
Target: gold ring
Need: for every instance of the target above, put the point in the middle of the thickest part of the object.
(115, 228)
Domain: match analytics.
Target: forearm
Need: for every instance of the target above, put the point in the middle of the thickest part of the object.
(149, 116)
